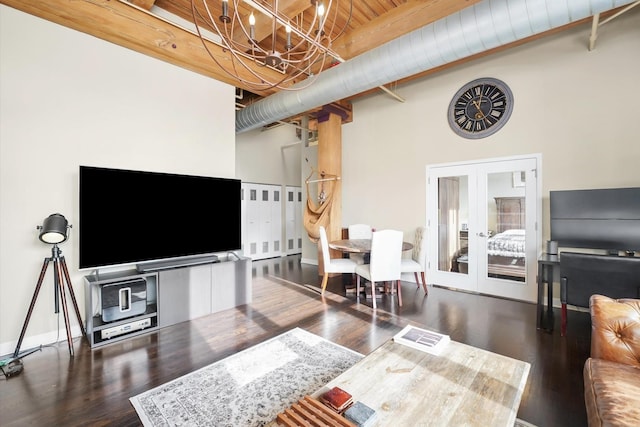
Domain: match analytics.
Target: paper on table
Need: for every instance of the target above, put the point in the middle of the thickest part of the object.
(422, 339)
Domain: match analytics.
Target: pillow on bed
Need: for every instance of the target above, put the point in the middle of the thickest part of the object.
(509, 243)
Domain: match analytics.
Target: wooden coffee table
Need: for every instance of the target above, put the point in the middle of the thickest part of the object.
(463, 386)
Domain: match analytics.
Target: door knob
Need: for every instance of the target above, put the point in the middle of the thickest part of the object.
(481, 234)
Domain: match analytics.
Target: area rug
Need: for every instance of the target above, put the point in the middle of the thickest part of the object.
(249, 388)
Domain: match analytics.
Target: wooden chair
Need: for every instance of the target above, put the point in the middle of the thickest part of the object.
(386, 256)
(333, 265)
(418, 261)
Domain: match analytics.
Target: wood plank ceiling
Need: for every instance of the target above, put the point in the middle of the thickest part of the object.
(360, 25)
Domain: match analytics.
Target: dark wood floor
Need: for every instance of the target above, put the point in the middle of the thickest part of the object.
(93, 388)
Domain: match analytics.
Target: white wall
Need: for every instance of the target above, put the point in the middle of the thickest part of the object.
(68, 99)
(577, 108)
(269, 157)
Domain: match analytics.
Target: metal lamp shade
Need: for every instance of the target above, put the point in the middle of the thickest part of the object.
(54, 229)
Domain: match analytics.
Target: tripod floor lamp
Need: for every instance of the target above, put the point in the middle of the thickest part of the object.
(54, 230)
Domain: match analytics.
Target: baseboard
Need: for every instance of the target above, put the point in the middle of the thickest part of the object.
(48, 338)
(308, 261)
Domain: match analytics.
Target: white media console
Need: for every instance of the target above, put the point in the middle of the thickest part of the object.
(124, 304)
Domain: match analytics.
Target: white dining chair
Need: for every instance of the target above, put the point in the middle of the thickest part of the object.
(333, 265)
(418, 261)
(384, 266)
(359, 231)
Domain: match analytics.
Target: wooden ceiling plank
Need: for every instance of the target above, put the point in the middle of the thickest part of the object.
(129, 27)
(359, 14)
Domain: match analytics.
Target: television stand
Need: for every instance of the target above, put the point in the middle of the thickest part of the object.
(102, 330)
(171, 264)
(174, 294)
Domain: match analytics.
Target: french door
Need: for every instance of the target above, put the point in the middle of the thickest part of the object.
(483, 226)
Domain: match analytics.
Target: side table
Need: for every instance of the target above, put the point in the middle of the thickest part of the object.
(546, 269)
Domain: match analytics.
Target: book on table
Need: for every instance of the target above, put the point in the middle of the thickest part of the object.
(337, 399)
(422, 339)
(360, 414)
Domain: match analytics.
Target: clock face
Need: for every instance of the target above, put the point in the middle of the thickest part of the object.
(480, 108)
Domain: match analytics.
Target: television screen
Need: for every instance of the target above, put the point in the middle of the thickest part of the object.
(131, 216)
(597, 219)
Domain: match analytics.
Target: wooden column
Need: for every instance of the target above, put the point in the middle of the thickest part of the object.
(330, 161)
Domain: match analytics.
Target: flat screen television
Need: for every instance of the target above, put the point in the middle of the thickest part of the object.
(598, 219)
(129, 216)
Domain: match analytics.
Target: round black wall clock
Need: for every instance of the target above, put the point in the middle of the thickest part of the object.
(480, 108)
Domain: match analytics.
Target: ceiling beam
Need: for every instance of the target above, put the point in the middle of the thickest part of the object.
(145, 4)
(142, 32)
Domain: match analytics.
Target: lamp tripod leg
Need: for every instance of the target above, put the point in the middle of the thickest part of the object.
(33, 303)
(73, 296)
(63, 297)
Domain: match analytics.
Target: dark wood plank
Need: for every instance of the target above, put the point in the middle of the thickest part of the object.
(93, 388)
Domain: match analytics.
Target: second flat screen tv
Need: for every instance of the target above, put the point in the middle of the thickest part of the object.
(131, 216)
(598, 219)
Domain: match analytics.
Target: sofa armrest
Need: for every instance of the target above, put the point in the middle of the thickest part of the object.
(615, 329)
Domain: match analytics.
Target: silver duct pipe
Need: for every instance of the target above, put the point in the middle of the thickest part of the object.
(483, 26)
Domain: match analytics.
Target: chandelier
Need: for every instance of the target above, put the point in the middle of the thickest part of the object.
(258, 34)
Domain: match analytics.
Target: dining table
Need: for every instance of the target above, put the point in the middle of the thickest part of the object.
(360, 246)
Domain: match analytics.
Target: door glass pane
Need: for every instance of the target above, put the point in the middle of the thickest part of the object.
(506, 225)
(453, 217)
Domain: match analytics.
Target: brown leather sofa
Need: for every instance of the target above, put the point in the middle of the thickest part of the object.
(612, 373)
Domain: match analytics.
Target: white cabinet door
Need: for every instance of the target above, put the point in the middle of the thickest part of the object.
(251, 225)
(185, 294)
(230, 284)
(300, 231)
(264, 205)
(276, 221)
(293, 219)
(262, 221)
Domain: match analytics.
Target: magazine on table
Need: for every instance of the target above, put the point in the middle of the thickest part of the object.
(422, 339)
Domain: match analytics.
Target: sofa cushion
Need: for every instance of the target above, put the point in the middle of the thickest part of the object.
(615, 329)
(612, 393)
